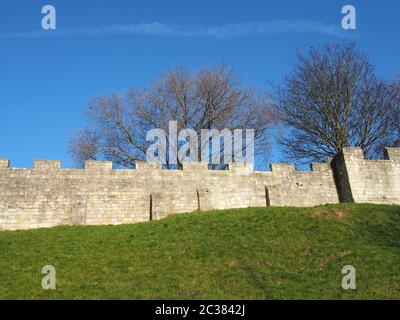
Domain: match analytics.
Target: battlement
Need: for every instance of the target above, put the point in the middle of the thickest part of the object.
(98, 165)
(48, 195)
(236, 167)
(392, 154)
(4, 164)
(320, 167)
(196, 166)
(356, 153)
(145, 166)
(352, 153)
(371, 181)
(47, 164)
(282, 167)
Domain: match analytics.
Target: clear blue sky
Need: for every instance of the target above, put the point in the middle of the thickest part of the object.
(104, 46)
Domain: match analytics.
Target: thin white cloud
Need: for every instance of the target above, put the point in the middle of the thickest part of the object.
(226, 31)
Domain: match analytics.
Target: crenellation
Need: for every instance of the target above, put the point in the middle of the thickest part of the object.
(392, 154)
(47, 164)
(98, 165)
(241, 168)
(282, 167)
(145, 166)
(46, 196)
(370, 181)
(4, 164)
(197, 166)
(320, 167)
(353, 153)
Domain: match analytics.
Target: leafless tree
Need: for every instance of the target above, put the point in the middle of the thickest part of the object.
(393, 137)
(212, 98)
(333, 99)
(396, 114)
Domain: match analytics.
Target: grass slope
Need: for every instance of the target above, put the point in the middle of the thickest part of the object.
(262, 253)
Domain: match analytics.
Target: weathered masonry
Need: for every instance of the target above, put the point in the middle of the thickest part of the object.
(47, 195)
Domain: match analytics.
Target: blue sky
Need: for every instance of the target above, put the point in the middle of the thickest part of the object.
(104, 46)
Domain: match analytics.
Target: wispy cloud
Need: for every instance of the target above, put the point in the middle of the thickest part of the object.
(227, 31)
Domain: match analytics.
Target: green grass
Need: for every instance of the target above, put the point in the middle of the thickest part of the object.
(262, 253)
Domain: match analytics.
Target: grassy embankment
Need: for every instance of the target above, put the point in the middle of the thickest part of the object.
(261, 253)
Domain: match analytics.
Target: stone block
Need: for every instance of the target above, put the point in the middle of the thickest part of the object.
(4, 164)
(392, 154)
(197, 166)
(47, 164)
(241, 168)
(282, 167)
(146, 166)
(98, 165)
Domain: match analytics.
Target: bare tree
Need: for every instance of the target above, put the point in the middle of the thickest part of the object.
(331, 100)
(396, 114)
(393, 137)
(212, 98)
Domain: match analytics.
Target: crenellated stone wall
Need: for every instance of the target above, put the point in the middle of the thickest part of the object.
(368, 181)
(48, 195)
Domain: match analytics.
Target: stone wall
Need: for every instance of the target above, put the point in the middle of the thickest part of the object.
(48, 195)
(368, 181)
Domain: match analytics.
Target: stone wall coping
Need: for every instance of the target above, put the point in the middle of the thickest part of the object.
(391, 155)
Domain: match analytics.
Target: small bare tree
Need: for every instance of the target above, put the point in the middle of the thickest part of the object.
(393, 137)
(212, 98)
(333, 99)
(396, 114)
